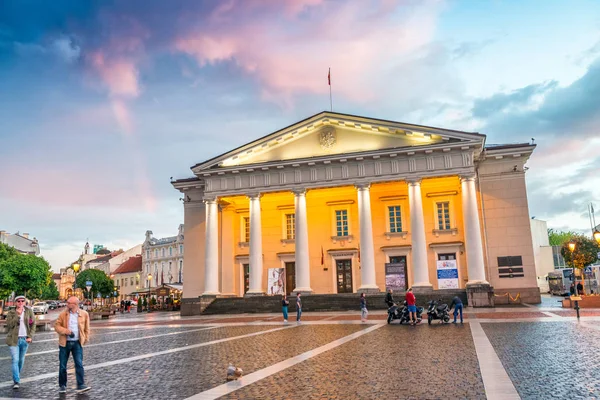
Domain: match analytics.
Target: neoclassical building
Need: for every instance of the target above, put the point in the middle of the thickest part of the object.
(162, 259)
(344, 203)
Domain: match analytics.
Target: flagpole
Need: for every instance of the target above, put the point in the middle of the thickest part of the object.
(590, 213)
(330, 98)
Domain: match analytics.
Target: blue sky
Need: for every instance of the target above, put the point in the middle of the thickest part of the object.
(101, 102)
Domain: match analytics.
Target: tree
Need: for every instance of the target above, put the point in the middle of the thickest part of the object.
(585, 252)
(100, 282)
(50, 292)
(22, 273)
(558, 238)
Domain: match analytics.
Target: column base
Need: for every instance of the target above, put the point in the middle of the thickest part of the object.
(211, 294)
(480, 294)
(368, 289)
(302, 291)
(422, 285)
(254, 294)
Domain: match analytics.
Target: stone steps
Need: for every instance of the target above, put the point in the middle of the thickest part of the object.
(319, 302)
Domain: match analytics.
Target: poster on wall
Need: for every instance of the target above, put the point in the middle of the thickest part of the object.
(447, 273)
(275, 282)
(395, 276)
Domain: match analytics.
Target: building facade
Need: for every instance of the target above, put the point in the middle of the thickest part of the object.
(542, 253)
(163, 259)
(333, 201)
(127, 277)
(20, 242)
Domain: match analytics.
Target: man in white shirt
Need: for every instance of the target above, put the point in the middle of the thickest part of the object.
(20, 323)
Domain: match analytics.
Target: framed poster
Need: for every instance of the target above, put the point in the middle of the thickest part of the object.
(447, 274)
(275, 282)
(395, 276)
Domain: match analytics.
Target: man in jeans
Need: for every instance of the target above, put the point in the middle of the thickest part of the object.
(298, 307)
(73, 328)
(20, 325)
(458, 307)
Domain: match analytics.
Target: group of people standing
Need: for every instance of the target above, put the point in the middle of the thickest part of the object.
(73, 329)
(285, 304)
(125, 306)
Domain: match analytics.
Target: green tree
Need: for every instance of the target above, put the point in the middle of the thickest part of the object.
(585, 252)
(50, 292)
(558, 238)
(100, 282)
(24, 274)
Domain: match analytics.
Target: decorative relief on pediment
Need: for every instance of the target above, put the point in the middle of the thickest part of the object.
(327, 138)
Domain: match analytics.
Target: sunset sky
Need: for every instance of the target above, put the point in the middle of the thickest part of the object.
(101, 102)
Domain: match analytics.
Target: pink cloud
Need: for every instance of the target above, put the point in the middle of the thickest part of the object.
(119, 75)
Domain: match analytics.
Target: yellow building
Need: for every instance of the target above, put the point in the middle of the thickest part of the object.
(339, 203)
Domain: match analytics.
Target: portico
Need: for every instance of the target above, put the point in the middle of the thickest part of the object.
(332, 199)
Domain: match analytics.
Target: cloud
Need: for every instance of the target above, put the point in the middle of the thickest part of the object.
(65, 47)
(516, 100)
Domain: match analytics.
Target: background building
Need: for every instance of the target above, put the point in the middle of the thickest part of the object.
(127, 277)
(20, 242)
(542, 253)
(163, 258)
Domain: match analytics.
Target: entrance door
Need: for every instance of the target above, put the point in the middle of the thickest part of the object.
(402, 279)
(246, 277)
(290, 277)
(344, 275)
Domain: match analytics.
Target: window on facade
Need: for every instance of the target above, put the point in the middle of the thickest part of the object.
(341, 222)
(246, 229)
(395, 218)
(131, 281)
(290, 226)
(443, 215)
(155, 253)
(125, 283)
(147, 253)
(163, 252)
(180, 249)
(137, 280)
(170, 251)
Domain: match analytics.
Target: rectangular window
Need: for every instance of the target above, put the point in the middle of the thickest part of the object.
(341, 223)
(131, 281)
(443, 215)
(290, 226)
(180, 249)
(170, 251)
(395, 218)
(147, 253)
(447, 256)
(246, 229)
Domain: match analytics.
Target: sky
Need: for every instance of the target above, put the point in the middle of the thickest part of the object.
(102, 102)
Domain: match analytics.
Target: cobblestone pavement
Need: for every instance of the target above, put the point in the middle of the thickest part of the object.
(557, 360)
(164, 356)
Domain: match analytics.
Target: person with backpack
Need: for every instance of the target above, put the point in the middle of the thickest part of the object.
(363, 308)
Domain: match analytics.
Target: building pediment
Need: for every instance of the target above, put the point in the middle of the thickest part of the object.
(329, 134)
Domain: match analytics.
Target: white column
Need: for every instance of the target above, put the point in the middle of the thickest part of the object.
(473, 243)
(418, 240)
(256, 259)
(211, 254)
(367, 254)
(301, 238)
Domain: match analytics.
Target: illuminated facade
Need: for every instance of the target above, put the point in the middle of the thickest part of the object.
(333, 198)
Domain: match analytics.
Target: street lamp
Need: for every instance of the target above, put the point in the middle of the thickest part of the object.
(148, 300)
(75, 268)
(572, 249)
(597, 236)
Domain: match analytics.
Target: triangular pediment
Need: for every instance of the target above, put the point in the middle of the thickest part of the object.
(329, 134)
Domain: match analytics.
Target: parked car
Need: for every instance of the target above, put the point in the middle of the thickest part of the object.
(41, 307)
(6, 310)
(62, 303)
(52, 305)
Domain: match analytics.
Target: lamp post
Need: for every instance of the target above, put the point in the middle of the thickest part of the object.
(572, 249)
(148, 300)
(75, 268)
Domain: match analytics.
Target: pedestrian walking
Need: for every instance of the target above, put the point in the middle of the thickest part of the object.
(284, 307)
(363, 308)
(411, 302)
(580, 288)
(298, 307)
(572, 289)
(458, 307)
(128, 304)
(20, 325)
(122, 306)
(73, 328)
(389, 298)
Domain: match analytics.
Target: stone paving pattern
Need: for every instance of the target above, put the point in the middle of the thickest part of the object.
(557, 360)
(393, 362)
(185, 373)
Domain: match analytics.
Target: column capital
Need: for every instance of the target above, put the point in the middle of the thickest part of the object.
(467, 177)
(362, 186)
(299, 191)
(414, 181)
(254, 195)
(210, 199)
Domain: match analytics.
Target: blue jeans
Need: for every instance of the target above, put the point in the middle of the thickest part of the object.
(63, 356)
(458, 308)
(298, 314)
(18, 357)
(285, 310)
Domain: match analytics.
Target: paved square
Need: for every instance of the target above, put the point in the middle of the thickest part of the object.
(529, 353)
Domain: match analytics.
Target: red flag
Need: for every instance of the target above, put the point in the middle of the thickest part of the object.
(329, 77)
(359, 252)
(322, 257)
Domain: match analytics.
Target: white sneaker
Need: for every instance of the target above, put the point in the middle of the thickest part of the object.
(285, 320)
